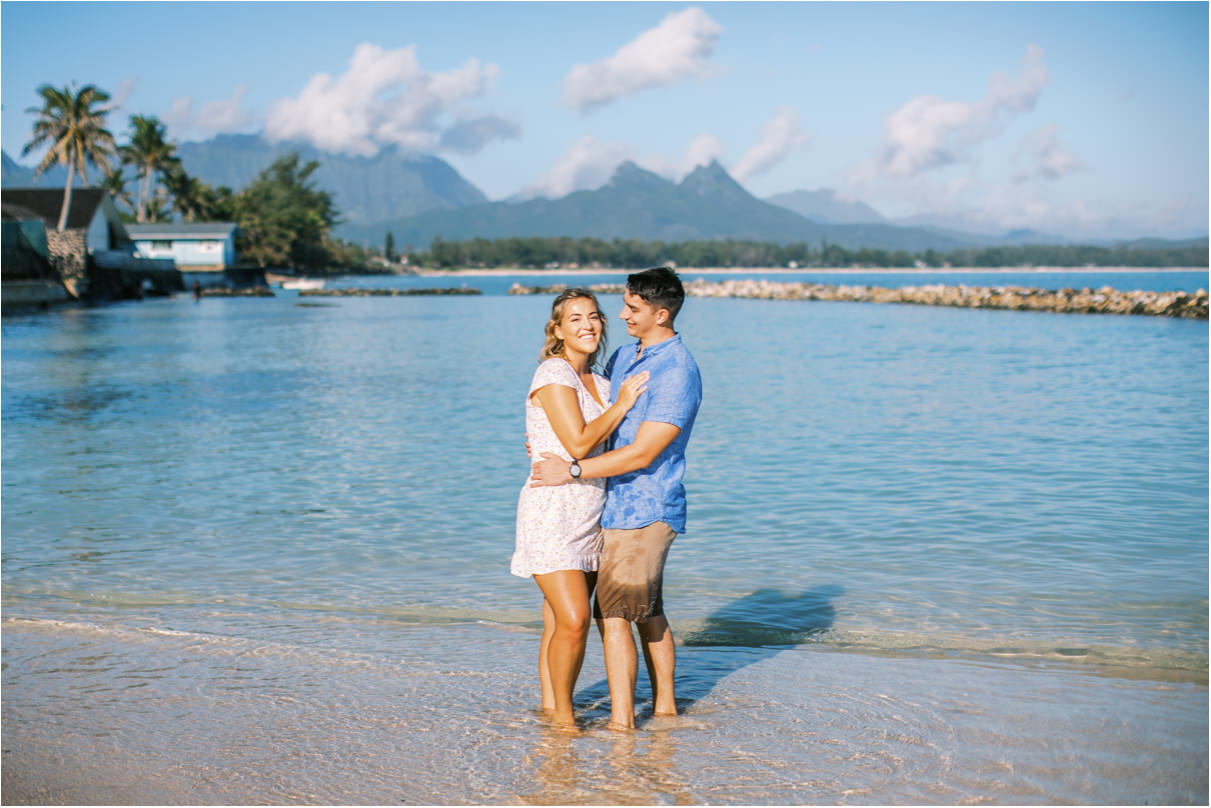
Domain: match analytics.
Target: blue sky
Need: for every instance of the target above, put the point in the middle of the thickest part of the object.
(1083, 118)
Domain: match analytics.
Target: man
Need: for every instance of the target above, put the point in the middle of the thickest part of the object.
(645, 499)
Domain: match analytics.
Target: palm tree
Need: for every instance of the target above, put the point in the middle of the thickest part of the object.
(74, 126)
(149, 152)
(114, 181)
(155, 209)
(189, 194)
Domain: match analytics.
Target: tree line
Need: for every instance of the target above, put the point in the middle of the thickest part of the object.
(551, 253)
(283, 219)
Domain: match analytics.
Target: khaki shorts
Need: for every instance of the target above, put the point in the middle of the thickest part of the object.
(630, 577)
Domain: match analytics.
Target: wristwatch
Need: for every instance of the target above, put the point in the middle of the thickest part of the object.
(574, 469)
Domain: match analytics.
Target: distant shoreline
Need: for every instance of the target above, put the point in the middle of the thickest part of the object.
(470, 273)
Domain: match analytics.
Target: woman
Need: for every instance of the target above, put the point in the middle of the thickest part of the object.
(558, 528)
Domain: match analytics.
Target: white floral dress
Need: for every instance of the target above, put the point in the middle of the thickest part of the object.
(559, 527)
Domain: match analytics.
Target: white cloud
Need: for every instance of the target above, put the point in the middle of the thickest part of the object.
(470, 135)
(384, 98)
(929, 131)
(225, 116)
(782, 135)
(586, 164)
(678, 48)
(702, 150)
(124, 91)
(179, 118)
(1017, 206)
(214, 117)
(1043, 157)
(1011, 208)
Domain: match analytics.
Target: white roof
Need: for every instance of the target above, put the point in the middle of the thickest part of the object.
(181, 231)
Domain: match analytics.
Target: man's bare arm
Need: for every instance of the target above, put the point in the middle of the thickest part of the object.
(652, 438)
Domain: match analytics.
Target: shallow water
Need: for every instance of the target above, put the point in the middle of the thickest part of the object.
(242, 506)
(96, 715)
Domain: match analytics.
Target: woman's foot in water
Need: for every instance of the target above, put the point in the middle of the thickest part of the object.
(564, 723)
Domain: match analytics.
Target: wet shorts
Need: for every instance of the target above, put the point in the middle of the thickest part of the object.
(630, 576)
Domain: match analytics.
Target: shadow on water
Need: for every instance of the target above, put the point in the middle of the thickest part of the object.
(743, 632)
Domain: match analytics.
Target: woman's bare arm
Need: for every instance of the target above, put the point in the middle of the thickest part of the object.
(563, 411)
(652, 439)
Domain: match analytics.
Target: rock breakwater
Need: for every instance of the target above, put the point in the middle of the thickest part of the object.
(223, 291)
(1106, 300)
(386, 292)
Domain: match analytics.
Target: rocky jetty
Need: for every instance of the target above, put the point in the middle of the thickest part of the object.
(1106, 300)
(223, 291)
(385, 292)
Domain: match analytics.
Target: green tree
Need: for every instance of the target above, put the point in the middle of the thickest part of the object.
(155, 209)
(631, 253)
(284, 219)
(114, 181)
(73, 124)
(190, 196)
(151, 153)
(389, 247)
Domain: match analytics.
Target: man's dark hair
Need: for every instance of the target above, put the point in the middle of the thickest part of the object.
(660, 288)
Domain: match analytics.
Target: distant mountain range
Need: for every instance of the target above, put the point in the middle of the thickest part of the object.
(707, 204)
(419, 197)
(15, 175)
(391, 184)
(639, 204)
(826, 207)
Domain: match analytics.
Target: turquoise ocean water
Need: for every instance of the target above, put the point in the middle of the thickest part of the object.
(208, 504)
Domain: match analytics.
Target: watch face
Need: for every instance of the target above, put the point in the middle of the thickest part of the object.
(574, 469)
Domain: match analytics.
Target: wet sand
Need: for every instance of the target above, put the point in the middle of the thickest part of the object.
(106, 715)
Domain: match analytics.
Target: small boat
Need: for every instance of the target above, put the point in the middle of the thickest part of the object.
(303, 283)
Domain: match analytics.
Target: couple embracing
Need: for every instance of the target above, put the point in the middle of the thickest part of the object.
(592, 519)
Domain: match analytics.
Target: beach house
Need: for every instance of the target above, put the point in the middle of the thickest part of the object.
(204, 252)
(93, 256)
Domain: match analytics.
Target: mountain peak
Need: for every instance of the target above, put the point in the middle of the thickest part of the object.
(713, 169)
(393, 183)
(629, 174)
(713, 179)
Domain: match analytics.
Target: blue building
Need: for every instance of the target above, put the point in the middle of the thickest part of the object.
(204, 252)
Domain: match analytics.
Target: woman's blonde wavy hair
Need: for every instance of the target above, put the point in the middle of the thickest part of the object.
(554, 345)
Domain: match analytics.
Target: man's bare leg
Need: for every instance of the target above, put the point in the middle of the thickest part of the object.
(660, 656)
(622, 665)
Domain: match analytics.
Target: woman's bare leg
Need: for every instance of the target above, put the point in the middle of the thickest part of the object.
(567, 593)
(544, 670)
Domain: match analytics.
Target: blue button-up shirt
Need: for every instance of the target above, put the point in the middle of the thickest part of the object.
(674, 391)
